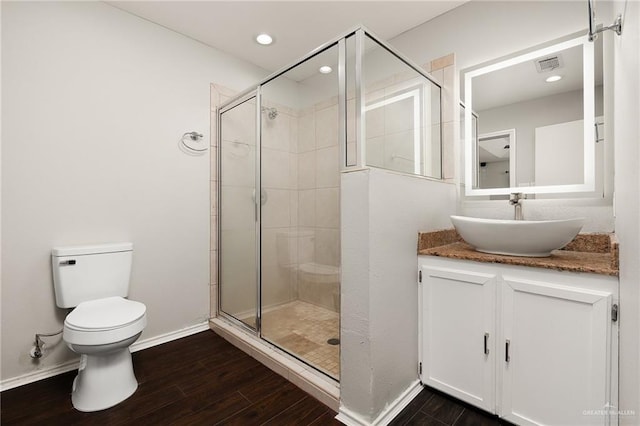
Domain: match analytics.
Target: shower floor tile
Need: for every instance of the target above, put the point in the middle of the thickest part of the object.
(304, 330)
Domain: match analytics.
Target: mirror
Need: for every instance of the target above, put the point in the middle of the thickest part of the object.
(530, 126)
(495, 160)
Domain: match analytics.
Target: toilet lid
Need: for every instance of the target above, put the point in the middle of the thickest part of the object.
(105, 314)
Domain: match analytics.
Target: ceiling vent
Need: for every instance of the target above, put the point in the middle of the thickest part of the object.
(548, 63)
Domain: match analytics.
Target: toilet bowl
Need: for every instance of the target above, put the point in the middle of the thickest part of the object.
(94, 280)
(317, 272)
(101, 331)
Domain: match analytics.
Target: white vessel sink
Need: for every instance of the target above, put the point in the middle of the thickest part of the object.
(517, 237)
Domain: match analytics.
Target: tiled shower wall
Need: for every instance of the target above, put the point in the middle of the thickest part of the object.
(319, 179)
(301, 178)
(301, 181)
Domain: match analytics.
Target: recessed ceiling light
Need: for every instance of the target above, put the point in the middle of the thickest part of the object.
(553, 78)
(264, 39)
(325, 69)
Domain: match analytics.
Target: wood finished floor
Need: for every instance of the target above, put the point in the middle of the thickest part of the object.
(204, 380)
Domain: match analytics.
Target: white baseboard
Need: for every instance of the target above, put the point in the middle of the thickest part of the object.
(350, 418)
(51, 371)
(170, 336)
(36, 375)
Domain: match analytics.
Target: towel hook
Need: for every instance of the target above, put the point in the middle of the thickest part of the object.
(194, 136)
(192, 143)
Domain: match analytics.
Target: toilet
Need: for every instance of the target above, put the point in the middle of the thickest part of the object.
(94, 280)
(318, 284)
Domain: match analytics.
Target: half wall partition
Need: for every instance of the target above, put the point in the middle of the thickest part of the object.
(350, 104)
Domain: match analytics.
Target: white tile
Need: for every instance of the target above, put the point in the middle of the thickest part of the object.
(238, 164)
(293, 171)
(327, 246)
(326, 103)
(275, 212)
(213, 168)
(213, 300)
(276, 288)
(276, 132)
(327, 208)
(237, 208)
(399, 116)
(448, 158)
(375, 151)
(275, 169)
(213, 198)
(438, 75)
(306, 132)
(213, 233)
(293, 134)
(269, 247)
(293, 207)
(238, 258)
(213, 129)
(238, 124)
(434, 148)
(399, 152)
(448, 101)
(307, 170)
(307, 207)
(374, 119)
(213, 266)
(327, 170)
(327, 127)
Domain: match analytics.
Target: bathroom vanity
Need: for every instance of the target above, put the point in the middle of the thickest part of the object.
(533, 340)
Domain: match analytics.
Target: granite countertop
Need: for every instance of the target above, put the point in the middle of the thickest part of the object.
(591, 253)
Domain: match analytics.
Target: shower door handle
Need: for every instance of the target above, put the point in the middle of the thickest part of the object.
(263, 197)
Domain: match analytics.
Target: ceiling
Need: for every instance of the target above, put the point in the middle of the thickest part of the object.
(296, 26)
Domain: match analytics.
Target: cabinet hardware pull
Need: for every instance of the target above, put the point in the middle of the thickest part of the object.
(507, 358)
(486, 341)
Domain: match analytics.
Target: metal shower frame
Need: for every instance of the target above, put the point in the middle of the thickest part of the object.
(360, 33)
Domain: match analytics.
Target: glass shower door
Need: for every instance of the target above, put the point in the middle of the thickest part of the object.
(300, 214)
(238, 235)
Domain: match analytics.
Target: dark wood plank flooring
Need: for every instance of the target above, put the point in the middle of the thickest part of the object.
(433, 408)
(204, 380)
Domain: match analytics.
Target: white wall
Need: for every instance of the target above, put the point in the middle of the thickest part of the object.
(94, 102)
(382, 212)
(627, 204)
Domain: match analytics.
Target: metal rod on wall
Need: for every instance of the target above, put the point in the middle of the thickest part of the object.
(593, 30)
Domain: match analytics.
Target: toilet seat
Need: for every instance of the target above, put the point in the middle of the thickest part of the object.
(104, 321)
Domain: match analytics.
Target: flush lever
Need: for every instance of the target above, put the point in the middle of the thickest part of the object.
(68, 262)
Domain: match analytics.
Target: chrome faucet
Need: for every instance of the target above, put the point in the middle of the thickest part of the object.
(515, 199)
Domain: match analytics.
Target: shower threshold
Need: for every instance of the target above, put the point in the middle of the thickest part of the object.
(304, 330)
(317, 384)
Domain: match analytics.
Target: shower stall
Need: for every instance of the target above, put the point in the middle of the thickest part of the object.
(283, 145)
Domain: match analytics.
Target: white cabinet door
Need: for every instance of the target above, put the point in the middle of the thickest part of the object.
(554, 353)
(457, 311)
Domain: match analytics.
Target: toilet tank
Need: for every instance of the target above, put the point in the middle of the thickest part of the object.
(82, 273)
